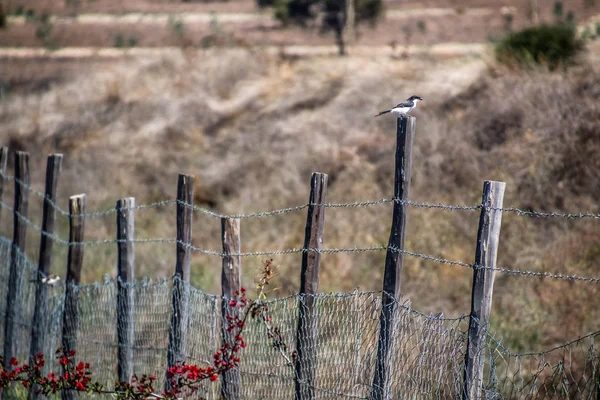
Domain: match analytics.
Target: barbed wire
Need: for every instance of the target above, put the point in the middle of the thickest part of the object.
(537, 274)
(368, 203)
(439, 260)
(539, 214)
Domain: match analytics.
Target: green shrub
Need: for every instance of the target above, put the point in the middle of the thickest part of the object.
(121, 42)
(550, 45)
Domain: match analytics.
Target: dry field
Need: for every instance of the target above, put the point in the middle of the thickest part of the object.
(148, 23)
(252, 125)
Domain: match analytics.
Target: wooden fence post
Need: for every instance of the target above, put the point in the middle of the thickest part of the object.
(3, 162)
(394, 260)
(125, 296)
(74, 264)
(230, 286)
(39, 328)
(15, 284)
(181, 289)
(306, 331)
(488, 236)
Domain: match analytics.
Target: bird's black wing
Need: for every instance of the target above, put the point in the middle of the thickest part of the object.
(403, 105)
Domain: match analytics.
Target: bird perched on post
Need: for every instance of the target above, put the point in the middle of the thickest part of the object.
(49, 280)
(403, 108)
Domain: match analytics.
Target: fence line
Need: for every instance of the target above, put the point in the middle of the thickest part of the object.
(387, 350)
(164, 282)
(426, 324)
(287, 210)
(439, 260)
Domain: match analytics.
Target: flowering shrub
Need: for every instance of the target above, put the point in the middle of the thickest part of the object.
(184, 379)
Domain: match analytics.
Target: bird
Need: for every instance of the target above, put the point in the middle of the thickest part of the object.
(49, 280)
(403, 108)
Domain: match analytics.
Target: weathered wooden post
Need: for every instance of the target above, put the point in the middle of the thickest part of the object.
(394, 260)
(74, 264)
(488, 236)
(306, 331)
(181, 288)
(230, 287)
(3, 162)
(15, 284)
(39, 328)
(125, 296)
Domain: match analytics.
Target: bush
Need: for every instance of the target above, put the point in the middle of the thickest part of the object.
(550, 45)
(121, 42)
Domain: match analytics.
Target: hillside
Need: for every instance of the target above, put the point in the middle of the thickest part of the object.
(252, 127)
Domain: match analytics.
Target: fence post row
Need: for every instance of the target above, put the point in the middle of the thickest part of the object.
(181, 289)
(486, 253)
(125, 296)
(394, 259)
(15, 284)
(306, 332)
(74, 264)
(230, 285)
(41, 315)
(3, 163)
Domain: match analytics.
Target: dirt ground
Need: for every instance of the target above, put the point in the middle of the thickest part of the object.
(240, 23)
(242, 6)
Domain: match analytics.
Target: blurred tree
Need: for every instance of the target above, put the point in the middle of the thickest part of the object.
(339, 16)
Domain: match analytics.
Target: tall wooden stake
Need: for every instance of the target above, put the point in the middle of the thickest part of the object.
(230, 286)
(181, 288)
(306, 331)
(41, 313)
(74, 264)
(15, 280)
(125, 297)
(394, 260)
(3, 162)
(486, 253)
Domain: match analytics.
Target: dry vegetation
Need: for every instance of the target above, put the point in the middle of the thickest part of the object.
(252, 128)
(158, 23)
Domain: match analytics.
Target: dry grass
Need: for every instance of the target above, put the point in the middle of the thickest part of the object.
(252, 128)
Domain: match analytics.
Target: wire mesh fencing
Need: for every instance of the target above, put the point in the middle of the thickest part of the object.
(427, 361)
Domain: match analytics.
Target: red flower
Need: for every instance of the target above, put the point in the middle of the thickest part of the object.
(80, 366)
(79, 386)
(214, 377)
(13, 361)
(64, 361)
(232, 303)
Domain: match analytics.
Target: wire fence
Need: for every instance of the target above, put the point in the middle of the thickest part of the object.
(428, 351)
(369, 203)
(439, 260)
(428, 360)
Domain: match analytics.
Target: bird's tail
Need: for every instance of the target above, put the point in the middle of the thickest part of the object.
(383, 112)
